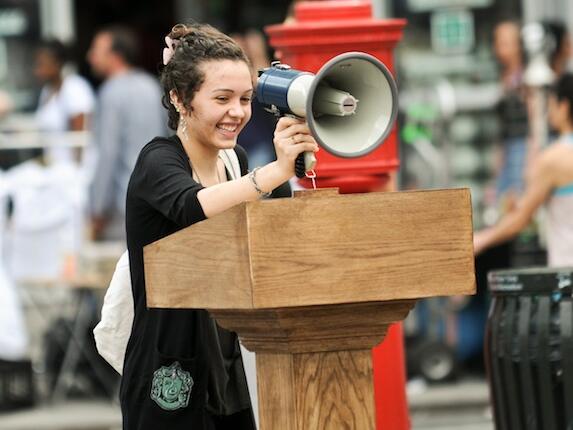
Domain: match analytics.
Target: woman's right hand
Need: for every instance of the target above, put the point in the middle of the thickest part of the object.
(292, 136)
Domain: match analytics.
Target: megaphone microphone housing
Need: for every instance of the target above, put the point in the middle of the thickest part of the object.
(349, 105)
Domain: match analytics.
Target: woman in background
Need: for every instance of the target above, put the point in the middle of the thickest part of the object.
(66, 99)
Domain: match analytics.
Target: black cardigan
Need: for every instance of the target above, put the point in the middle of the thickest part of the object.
(179, 364)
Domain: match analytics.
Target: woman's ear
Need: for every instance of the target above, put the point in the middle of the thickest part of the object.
(174, 98)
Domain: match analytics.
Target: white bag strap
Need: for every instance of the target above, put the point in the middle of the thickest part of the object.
(231, 161)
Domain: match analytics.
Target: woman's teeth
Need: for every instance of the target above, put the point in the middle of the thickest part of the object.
(230, 128)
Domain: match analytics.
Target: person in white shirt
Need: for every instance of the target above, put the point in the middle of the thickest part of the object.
(66, 100)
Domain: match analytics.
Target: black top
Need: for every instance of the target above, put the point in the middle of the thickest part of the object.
(512, 112)
(179, 363)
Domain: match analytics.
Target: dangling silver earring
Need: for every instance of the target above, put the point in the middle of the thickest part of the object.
(182, 122)
(183, 126)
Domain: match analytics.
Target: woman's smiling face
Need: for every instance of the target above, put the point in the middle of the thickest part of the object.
(222, 105)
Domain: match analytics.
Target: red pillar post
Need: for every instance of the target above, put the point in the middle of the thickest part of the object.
(322, 30)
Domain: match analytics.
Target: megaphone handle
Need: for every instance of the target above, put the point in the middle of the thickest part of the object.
(304, 163)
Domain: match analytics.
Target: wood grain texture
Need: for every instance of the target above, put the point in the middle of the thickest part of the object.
(334, 390)
(318, 249)
(314, 328)
(316, 391)
(314, 194)
(361, 247)
(205, 265)
(276, 392)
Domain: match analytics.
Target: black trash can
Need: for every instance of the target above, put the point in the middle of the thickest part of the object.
(529, 348)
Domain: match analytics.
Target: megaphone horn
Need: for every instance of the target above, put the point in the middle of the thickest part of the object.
(350, 105)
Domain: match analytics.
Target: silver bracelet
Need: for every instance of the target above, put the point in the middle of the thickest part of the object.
(253, 176)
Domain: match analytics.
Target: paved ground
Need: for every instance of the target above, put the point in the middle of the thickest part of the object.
(68, 415)
(459, 406)
(456, 406)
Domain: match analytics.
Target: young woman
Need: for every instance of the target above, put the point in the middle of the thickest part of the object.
(549, 182)
(181, 370)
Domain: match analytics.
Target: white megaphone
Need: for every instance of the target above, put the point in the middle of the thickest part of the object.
(350, 105)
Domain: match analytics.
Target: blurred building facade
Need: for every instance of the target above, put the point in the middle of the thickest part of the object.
(24, 22)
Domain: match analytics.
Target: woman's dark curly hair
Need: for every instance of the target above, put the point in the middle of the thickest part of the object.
(196, 43)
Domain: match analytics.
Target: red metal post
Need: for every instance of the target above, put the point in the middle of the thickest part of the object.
(322, 30)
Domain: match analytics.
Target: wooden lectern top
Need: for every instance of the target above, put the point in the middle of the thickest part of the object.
(318, 248)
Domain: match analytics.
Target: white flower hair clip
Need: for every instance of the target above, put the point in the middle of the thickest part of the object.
(170, 50)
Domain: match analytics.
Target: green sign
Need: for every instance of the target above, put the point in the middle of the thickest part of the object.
(452, 31)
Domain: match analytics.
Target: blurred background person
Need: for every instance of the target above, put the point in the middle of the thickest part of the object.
(510, 149)
(128, 114)
(259, 131)
(512, 111)
(257, 134)
(550, 183)
(66, 99)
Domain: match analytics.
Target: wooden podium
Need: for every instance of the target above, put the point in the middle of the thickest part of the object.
(311, 284)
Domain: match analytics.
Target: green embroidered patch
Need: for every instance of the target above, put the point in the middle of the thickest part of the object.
(171, 387)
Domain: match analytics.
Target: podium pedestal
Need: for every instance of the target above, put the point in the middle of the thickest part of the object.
(314, 365)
